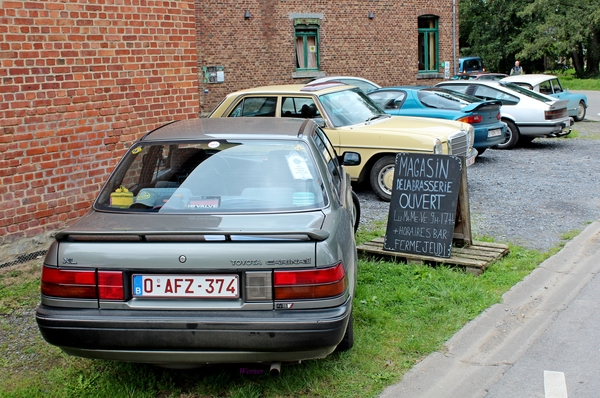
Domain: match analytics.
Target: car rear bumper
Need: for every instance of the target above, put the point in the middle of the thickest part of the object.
(482, 139)
(546, 129)
(194, 337)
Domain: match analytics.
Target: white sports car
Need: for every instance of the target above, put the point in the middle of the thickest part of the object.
(550, 85)
(527, 114)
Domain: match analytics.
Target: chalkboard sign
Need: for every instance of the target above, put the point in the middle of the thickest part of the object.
(423, 204)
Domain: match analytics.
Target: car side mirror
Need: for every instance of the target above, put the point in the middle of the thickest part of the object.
(349, 159)
(320, 122)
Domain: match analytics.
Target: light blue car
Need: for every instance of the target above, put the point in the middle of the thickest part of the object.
(550, 85)
(440, 103)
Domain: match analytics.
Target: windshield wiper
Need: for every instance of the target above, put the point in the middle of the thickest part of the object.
(376, 117)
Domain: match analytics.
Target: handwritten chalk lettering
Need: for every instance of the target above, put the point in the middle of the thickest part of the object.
(420, 232)
(422, 247)
(410, 216)
(423, 204)
(442, 218)
(404, 184)
(424, 201)
(424, 167)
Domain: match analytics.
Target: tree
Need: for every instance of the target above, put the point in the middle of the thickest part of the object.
(532, 31)
(564, 28)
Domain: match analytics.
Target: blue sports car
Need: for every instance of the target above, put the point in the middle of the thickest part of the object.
(441, 103)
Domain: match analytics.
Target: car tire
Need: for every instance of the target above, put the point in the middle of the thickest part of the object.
(348, 339)
(512, 136)
(356, 210)
(382, 176)
(581, 110)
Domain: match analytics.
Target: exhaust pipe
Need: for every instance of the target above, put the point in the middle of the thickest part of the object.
(275, 369)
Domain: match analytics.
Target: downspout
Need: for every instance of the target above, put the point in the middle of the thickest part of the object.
(454, 35)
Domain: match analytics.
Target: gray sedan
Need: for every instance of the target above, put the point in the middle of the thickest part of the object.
(213, 241)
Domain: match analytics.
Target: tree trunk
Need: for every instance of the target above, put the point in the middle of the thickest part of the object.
(593, 54)
(577, 56)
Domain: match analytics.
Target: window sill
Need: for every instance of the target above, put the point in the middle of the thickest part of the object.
(308, 74)
(430, 75)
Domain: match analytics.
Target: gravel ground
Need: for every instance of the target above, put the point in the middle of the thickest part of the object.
(529, 195)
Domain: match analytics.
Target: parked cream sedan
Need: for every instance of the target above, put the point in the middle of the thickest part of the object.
(353, 122)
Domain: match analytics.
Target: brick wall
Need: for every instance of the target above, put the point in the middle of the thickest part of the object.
(81, 80)
(260, 50)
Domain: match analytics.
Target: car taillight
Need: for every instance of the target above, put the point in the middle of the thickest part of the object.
(110, 285)
(309, 284)
(84, 284)
(555, 114)
(471, 119)
(499, 116)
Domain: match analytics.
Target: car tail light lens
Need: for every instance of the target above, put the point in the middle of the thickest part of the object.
(499, 116)
(555, 114)
(110, 285)
(83, 284)
(309, 284)
(471, 119)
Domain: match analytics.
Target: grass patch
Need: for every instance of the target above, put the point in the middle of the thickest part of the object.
(402, 314)
(569, 81)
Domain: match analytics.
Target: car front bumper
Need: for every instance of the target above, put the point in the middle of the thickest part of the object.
(194, 337)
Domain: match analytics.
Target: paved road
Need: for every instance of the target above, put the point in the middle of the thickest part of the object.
(543, 340)
(593, 111)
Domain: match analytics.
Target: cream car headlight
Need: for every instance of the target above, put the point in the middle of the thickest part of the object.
(437, 147)
(470, 137)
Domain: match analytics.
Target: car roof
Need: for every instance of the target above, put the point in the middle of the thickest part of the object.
(533, 79)
(472, 81)
(312, 87)
(404, 88)
(238, 127)
(329, 78)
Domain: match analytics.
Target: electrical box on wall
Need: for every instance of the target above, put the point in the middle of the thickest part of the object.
(214, 74)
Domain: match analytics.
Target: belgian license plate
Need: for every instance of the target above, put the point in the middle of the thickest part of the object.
(186, 286)
(471, 160)
(494, 133)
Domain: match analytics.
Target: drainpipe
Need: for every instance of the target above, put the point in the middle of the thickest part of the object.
(454, 61)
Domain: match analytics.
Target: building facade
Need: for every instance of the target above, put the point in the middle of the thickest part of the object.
(83, 79)
(252, 43)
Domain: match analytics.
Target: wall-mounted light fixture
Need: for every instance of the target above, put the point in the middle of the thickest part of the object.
(371, 15)
(247, 15)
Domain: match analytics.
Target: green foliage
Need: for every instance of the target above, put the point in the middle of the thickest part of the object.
(540, 33)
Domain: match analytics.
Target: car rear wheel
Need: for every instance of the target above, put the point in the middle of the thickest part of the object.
(512, 136)
(355, 210)
(382, 177)
(580, 112)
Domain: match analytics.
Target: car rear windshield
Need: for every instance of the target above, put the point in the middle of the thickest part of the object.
(529, 93)
(445, 99)
(215, 177)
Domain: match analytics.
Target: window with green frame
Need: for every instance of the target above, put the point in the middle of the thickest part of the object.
(428, 43)
(307, 46)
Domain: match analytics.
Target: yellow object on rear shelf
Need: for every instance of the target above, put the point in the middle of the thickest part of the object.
(121, 197)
